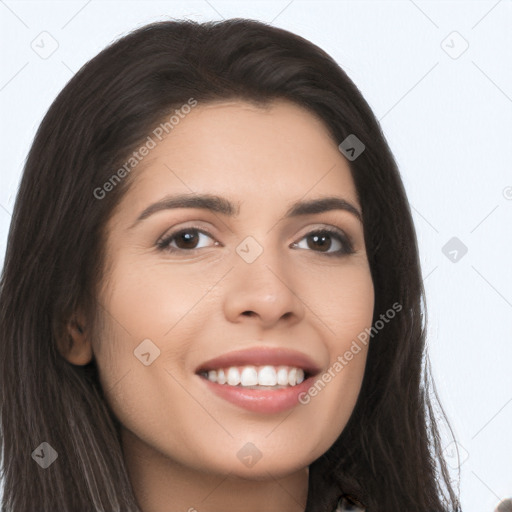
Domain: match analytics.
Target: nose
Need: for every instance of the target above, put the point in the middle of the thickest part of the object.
(263, 292)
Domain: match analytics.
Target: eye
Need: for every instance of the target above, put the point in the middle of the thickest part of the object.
(185, 239)
(321, 240)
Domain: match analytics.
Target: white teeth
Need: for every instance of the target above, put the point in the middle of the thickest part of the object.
(282, 376)
(233, 377)
(267, 376)
(252, 376)
(292, 376)
(249, 376)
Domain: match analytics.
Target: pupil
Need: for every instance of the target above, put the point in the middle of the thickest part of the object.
(188, 238)
(322, 244)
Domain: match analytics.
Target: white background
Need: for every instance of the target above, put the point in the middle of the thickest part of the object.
(448, 122)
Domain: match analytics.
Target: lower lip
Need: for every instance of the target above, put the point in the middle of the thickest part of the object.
(262, 401)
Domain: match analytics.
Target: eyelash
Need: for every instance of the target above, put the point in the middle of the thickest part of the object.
(348, 248)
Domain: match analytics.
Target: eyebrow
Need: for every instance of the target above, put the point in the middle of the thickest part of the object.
(218, 204)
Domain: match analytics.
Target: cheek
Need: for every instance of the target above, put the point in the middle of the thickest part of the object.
(150, 310)
(343, 301)
(343, 298)
(150, 301)
(332, 395)
(145, 388)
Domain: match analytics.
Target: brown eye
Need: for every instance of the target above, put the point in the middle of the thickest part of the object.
(187, 239)
(184, 239)
(323, 240)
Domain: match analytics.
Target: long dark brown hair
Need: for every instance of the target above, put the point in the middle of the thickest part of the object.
(389, 455)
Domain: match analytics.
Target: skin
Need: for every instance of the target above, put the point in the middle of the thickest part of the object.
(180, 440)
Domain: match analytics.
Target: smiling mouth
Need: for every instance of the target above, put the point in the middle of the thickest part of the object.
(262, 377)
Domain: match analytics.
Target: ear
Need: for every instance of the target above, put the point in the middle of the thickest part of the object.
(75, 344)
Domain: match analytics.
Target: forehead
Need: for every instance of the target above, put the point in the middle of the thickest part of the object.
(245, 152)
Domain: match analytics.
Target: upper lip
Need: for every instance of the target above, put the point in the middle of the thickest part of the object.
(259, 356)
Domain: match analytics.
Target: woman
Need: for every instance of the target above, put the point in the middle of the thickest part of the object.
(212, 297)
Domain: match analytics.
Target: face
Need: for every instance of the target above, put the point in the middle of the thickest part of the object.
(188, 285)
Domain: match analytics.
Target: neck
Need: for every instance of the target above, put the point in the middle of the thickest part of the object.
(161, 484)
